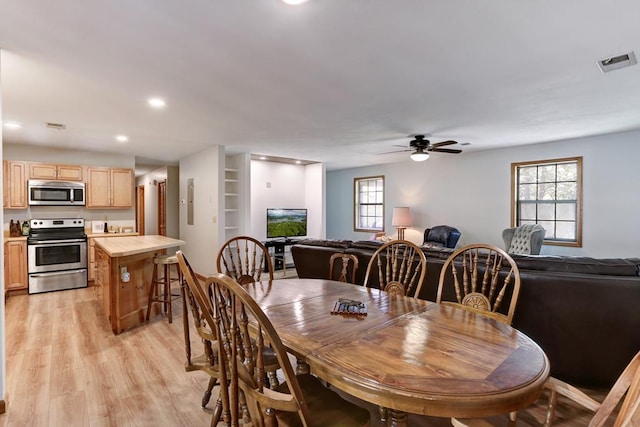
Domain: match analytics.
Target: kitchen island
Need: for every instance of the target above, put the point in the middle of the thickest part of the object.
(124, 296)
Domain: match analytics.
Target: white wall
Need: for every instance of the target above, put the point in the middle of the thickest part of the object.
(202, 238)
(471, 191)
(315, 199)
(283, 185)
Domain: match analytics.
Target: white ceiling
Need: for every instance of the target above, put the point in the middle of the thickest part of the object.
(336, 81)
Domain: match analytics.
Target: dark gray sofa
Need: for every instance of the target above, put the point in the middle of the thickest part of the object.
(582, 311)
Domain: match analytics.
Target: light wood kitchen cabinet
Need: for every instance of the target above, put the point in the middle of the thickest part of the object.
(51, 171)
(109, 188)
(15, 184)
(15, 265)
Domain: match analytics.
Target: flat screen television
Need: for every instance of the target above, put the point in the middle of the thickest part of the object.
(286, 222)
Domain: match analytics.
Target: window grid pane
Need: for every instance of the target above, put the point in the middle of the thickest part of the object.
(547, 194)
(369, 205)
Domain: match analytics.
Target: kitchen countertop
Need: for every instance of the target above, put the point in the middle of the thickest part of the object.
(132, 245)
(94, 235)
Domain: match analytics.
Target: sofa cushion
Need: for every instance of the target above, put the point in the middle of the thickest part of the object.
(330, 243)
(586, 265)
(367, 244)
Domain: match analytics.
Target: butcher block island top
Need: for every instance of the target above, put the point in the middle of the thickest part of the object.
(132, 245)
(124, 268)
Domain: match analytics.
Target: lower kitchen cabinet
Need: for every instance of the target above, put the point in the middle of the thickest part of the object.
(15, 265)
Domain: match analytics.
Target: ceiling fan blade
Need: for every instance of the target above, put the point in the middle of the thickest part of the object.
(401, 146)
(443, 143)
(446, 150)
(397, 151)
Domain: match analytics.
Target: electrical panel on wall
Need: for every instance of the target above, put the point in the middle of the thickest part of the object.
(190, 201)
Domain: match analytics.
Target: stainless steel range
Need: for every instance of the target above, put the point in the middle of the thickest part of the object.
(57, 254)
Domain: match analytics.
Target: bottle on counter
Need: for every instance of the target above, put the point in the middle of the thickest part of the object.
(106, 228)
(25, 228)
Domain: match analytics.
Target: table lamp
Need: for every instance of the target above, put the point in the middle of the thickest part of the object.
(401, 219)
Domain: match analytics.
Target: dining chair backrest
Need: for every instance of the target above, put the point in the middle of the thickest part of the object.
(245, 259)
(348, 262)
(401, 268)
(482, 277)
(244, 332)
(195, 297)
(247, 341)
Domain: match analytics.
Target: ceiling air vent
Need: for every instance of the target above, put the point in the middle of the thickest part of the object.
(615, 62)
(58, 126)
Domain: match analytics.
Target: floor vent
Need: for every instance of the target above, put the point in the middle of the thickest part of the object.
(58, 126)
(616, 62)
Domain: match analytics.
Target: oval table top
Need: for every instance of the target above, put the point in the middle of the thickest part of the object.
(406, 354)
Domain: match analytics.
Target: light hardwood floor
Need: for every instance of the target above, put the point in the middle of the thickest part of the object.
(66, 368)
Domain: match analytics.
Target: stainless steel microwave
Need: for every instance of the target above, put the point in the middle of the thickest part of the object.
(56, 193)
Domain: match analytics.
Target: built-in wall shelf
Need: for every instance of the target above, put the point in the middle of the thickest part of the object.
(234, 188)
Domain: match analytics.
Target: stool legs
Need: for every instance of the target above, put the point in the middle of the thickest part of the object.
(167, 297)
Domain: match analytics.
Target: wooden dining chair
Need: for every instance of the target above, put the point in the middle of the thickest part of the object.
(480, 277)
(301, 400)
(475, 272)
(208, 361)
(349, 262)
(627, 386)
(245, 259)
(401, 267)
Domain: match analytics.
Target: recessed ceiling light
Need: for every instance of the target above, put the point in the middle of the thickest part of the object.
(12, 125)
(157, 102)
(263, 158)
(298, 162)
(122, 138)
(294, 2)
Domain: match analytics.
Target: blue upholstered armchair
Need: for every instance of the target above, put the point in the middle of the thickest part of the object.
(441, 235)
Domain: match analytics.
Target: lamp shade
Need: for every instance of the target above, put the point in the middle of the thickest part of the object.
(401, 217)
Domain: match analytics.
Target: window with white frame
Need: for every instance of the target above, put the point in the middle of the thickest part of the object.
(369, 203)
(549, 193)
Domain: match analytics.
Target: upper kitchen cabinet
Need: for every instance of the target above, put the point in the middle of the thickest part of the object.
(109, 187)
(15, 184)
(50, 171)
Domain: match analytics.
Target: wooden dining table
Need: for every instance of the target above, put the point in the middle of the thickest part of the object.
(405, 354)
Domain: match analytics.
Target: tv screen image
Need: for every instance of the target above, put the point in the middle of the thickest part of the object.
(286, 222)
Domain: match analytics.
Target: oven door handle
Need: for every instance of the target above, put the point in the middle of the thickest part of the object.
(47, 242)
(58, 273)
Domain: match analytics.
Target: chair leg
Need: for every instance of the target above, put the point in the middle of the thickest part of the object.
(384, 413)
(153, 290)
(302, 367)
(273, 380)
(207, 393)
(167, 293)
(513, 418)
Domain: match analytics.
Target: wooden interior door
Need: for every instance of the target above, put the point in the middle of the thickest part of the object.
(162, 208)
(140, 209)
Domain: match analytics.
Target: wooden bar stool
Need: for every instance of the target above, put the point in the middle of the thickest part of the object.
(166, 297)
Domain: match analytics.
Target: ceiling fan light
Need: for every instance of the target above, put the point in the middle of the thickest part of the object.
(419, 156)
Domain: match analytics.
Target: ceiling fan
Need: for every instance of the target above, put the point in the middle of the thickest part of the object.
(421, 148)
